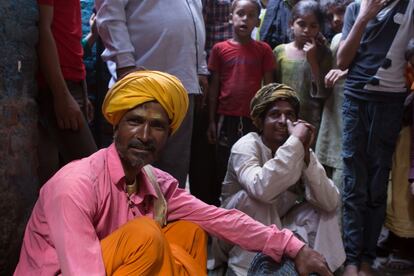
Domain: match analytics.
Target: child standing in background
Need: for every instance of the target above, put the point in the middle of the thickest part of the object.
(303, 63)
(238, 66)
(334, 11)
(328, 145)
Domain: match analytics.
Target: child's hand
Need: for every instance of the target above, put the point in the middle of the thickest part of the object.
(333, 76)
(310, 50)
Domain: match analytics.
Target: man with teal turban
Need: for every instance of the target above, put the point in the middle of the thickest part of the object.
(274, 177)
(114, 214)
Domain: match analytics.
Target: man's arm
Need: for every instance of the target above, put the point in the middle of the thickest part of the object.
(238, 228)
(320, 190)
(213, 93)
(268, 77)
(350, 45)
(69, 210)
(112, 27)
(67, 110)
(258, 179)
(268, 65)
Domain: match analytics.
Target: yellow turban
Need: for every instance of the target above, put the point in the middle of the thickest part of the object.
(144, 86)
(269, 94)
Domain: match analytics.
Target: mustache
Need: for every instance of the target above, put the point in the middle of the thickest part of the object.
(149, 146)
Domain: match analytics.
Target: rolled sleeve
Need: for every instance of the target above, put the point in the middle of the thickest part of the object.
(232, 225)
(112, 27)
(283, 239)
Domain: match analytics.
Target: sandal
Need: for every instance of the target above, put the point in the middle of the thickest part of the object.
(395, 263)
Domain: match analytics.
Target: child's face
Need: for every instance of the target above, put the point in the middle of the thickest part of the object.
(305, 28)
(336, 21)
(244, 18)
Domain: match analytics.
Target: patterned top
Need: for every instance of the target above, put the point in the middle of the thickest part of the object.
(217, 20)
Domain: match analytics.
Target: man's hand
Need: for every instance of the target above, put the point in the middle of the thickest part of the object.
(305, 132)
(212, 133)
(203, 82)
(68, 112)
(309, 261)
(122, 72)
(370, 8)
(90, 111)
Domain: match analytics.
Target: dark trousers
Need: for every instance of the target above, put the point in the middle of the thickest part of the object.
(370, 131)
(230, 129)
(202, 173)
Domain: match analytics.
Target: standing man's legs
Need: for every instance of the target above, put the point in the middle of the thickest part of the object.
(355, 178)
(384, 129)
(175, 158)
(370, 133)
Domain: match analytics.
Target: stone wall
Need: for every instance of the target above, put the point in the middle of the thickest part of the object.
(18, 119)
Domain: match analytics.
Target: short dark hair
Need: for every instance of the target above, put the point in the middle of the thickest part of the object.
(336, 6)
(409, 51)
(307, 6)
(255, 2)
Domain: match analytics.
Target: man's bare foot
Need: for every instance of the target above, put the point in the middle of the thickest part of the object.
(365, 269)
(351, 270)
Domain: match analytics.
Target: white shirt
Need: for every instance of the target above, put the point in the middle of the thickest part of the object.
(263, 186)
(159, 35)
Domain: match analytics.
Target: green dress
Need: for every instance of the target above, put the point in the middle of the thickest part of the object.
(297, 74)
(328, 146)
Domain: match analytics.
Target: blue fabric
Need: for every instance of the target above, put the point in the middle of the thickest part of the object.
(89, 57)
(275, 26)
(263, 265)
(370, 131)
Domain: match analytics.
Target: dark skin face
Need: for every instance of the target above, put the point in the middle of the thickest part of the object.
(274, 126)
(336, 20)
(244, 18)
(140, 136)
(305, 28)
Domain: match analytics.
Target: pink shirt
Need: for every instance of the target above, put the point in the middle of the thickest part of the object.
(85, 202)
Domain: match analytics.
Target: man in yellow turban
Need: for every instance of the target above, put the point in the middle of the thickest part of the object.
(114, 214)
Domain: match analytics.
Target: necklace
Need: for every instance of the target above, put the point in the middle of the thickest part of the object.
(129, 190)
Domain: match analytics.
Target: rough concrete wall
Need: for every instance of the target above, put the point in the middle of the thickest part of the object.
(18, 119)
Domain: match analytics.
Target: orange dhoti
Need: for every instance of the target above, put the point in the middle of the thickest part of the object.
(141, 247)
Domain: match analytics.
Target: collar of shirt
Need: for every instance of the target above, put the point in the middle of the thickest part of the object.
(116, 172)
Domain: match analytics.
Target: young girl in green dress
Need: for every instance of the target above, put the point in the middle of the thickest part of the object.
(304, 62)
